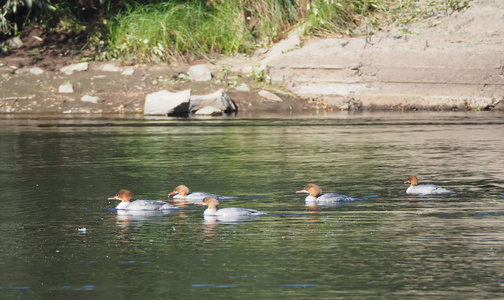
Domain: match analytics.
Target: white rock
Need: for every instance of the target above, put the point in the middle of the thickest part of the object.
(92, 99)
(36, 71)
(199, 73)
(208, 110)
(269, 96)
(14, 42)
(219, 100)
(128, 72)
(166, 103)
(66, 88)
(110, 68)
(344, 106)
(242, 88)
(70, 69)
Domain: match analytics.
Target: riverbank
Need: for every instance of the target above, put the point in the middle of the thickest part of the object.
(445, 62)
(107, 87)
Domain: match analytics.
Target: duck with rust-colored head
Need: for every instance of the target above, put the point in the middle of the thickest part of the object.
(181, 192)
(424, 189)
(229, 212)
(316, 195)
(125, 197)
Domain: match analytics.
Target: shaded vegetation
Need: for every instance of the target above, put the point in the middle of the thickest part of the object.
(155, 30)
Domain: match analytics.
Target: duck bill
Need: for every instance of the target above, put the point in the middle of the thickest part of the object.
(407, 181)
(172, 193)
(114, 198)
(301, 191)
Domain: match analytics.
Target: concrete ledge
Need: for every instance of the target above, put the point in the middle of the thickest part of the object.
(399, 69)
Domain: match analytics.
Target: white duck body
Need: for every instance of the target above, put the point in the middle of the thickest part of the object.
(427, 189)
(329, 198)
(145, 205)
(199, 196)
(139, 215)
(424, 189)
(231, 212)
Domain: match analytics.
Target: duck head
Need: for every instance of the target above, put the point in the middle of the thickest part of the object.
(412, 180)
(312, 189)
(211, 202)
(123, 195)
(181, 190)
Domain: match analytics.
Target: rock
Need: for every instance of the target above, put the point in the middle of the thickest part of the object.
(219, 100)
(499, 104)
(92, 99)
(208, 111)
(36, 71)
(110, 68)
(199, 73)
(243, 88)
(166, 103)
(128, 72)
(344, 106)
(14, 42)
(480, 102)
(66, 88)
(70, 69)
(269, 96)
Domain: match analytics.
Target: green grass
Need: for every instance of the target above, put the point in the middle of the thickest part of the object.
(169, 31)
(326, 17)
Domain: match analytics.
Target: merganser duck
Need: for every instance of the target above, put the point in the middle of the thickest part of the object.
(424, 189)
(231, 212)
(316, 195)
(125, 197)
(181, 192)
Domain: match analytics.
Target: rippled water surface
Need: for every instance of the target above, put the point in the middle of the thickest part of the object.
(56, 175)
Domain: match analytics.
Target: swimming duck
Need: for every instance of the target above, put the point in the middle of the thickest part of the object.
(316, 195)
(424, 189)
(230, 212)
(125, 197)
(181, 192)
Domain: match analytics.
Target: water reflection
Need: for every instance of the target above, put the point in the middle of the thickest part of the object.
(228, 219)
(315, 205)
(428, 197)
(126, 216)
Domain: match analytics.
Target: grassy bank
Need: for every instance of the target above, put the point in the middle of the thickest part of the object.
(173, 30)
(165, 31)
(170, 30)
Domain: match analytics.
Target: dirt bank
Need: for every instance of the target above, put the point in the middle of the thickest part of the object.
(444, 62)
(105, 87)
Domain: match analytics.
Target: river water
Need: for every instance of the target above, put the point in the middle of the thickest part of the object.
(56, 176)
